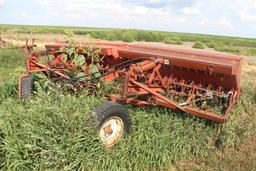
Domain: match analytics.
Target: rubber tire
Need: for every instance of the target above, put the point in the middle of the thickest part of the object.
(110, 109)
(26, 87)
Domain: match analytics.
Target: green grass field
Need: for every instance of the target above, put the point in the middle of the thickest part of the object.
(53, 132)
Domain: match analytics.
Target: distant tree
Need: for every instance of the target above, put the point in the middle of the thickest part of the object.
(69, 33)
(211, 44)
(112, 36)
(173, 40)
(144, 36)
(198, 45)
(128, 37)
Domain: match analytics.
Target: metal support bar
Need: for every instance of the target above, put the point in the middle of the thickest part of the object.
(159, 95)
(125, 86)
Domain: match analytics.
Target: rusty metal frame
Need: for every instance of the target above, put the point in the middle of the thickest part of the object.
(172, 71)
(26, 48)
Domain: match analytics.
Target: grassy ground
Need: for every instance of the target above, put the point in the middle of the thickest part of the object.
(54, 132)
(236, 45)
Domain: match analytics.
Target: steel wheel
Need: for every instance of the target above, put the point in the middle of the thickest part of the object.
(111, 131)
(113, 122)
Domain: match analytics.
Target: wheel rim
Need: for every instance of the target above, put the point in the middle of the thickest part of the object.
(111, 131)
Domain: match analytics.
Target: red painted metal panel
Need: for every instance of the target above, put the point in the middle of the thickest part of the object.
(183, 79)
(195, 59)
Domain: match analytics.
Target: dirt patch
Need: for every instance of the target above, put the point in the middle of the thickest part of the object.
(40, 37)
(250, 60)
(187, 45)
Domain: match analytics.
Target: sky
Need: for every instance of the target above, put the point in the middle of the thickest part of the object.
(219, 17)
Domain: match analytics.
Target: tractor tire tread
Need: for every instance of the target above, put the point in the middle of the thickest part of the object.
(26, 87)
(109, 109)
